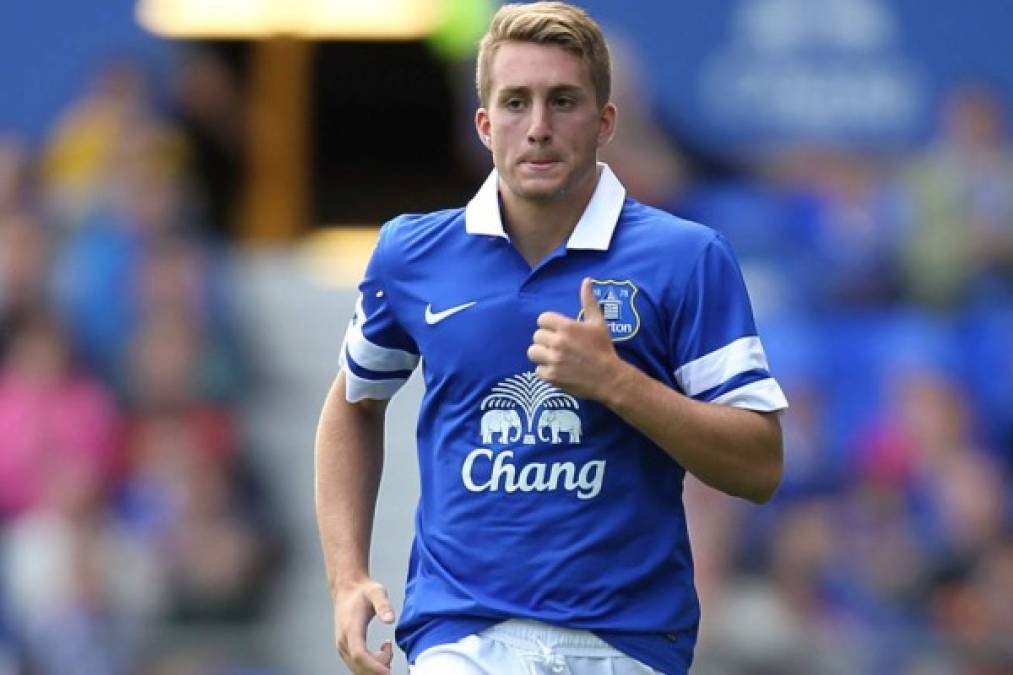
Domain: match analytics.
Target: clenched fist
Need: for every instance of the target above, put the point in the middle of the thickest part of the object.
(576, 356)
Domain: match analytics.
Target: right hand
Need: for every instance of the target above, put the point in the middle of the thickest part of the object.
(355, 604)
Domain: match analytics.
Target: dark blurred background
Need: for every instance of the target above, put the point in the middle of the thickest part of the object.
(185, 211)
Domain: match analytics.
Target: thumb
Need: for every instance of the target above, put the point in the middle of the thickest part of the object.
(381, 604)
(589, 303)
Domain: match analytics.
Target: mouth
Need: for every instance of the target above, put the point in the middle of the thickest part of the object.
(539, 164)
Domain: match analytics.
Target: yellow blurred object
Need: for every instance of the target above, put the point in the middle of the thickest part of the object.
(338, 256)
(276, 205)
(105, 136)
(324, 19)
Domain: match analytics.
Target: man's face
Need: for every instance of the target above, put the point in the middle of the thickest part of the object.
(542, 121)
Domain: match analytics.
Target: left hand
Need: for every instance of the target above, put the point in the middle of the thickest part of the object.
(576, 356)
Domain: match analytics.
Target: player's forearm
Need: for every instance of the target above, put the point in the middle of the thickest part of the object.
(733, 450)
(348, 465)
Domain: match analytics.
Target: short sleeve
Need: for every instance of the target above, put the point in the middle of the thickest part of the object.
(716, 351)
(377, 354)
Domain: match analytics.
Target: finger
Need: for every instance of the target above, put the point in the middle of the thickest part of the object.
(546, 373)
(386, 653)
(539, 354)
(369, 663)
(381, 603)
(544, 337)
(372, 663)
(552, 320)
(589, 303)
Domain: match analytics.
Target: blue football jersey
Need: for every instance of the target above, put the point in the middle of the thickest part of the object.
(534, 503)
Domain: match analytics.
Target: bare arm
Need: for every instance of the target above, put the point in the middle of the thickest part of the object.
(733, 450)
(348, 465)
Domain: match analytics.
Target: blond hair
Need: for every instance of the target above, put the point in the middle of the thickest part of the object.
(547, 23)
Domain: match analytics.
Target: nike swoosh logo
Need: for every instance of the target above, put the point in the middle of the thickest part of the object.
(433, 318)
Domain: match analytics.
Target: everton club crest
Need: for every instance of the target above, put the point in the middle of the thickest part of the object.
(618, 306)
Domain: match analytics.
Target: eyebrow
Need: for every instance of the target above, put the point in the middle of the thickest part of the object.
(556, 89)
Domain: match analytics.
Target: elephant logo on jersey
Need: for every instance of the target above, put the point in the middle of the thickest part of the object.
(545, 407)
(528, 409)
(502, 422)
(616, 299)
(559, 422)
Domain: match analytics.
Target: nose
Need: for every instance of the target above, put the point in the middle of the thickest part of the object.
(539, 128)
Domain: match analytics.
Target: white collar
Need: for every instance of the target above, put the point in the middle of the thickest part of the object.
(593, 230)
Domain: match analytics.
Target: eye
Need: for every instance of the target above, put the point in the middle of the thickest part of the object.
(564, 102)
(514, 104)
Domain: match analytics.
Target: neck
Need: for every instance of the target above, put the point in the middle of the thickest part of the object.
(538, 227)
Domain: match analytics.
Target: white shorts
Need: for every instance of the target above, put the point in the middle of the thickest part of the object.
(522, 647)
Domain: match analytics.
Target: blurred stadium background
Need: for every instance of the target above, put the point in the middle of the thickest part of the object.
(188, 192)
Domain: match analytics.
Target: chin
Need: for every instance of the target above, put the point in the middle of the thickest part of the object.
(541, 194)
(540, 189)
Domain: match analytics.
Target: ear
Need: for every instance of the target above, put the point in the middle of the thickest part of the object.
(483, 127)
(607, 124)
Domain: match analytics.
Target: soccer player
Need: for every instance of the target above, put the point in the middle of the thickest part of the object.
(581, 352)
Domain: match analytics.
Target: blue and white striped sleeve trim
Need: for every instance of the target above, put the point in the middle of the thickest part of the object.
(736, 375)
(371, 370)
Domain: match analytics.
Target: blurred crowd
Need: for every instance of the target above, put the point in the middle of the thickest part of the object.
(136, 535)
(133, 522)
(883, 287)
